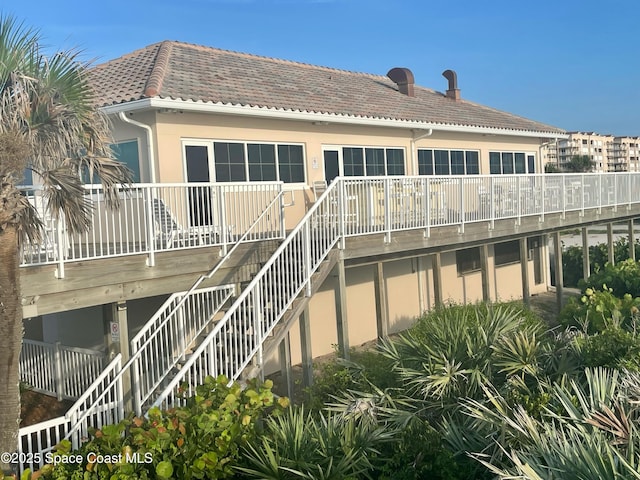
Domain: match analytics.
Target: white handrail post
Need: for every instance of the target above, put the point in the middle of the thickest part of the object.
(58, 370)
(599, 193)
(259, 322)
(582, 194)
(387, 211)
(518, 200)
(462, 211)
(60, 246)
(224, 230)
(147, 196)
(427, 212)
(492, 203)
(564, 196)
(543, 195)
(283, 230)
(342, 198)
(182, 325)
(135, 384)
(306, 238)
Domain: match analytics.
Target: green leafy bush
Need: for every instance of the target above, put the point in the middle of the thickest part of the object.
(201, 439)
(598, 257)
(596, 309)
(622, 278)
(338, 375)
(614, 347)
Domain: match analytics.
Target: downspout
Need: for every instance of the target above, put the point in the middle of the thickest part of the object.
(414, 156)
(150, 155)
(151, 260)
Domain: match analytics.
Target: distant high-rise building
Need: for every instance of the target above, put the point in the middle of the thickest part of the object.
(609, 153)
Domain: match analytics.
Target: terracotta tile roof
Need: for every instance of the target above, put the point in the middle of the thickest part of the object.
(176, 70)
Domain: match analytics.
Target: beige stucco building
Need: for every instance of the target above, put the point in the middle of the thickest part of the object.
(432, 198)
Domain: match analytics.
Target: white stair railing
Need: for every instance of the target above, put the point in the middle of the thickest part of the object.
(157, 348)
(88, 411)
(60, 370)
(239, 335)
(161, 344)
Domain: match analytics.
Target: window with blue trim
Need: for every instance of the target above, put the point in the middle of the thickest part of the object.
(127, 153)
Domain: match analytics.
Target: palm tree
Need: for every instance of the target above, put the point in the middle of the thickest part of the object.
(49, 125)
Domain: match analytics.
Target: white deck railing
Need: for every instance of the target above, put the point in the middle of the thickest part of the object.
(59, 370)
(385, 205)
(359, 206)
(36, 440)
(154, 218)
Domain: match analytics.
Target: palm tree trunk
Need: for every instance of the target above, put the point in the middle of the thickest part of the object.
(10, 340)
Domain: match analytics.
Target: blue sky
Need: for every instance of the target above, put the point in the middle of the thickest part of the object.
(574, 64)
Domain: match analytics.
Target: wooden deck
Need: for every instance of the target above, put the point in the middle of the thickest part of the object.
(97, 282)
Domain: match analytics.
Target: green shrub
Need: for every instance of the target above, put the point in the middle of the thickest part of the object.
(614, 347)
(298, 445)
(336, 376)
(199, 440)
(572, 270)
(596, 309)
(622, 278)
(454, 352)
(418, 452)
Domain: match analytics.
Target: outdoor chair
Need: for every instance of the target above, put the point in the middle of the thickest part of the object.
(171, 233)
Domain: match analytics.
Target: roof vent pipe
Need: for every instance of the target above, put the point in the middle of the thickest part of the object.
(453, 91)
(404, 79)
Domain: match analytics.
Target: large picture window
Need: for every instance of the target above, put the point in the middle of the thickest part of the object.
(254, 162)
(506, 163)
(372, 161)
(448, 162)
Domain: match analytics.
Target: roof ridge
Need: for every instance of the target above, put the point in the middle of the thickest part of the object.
(275, 59)
(154, 82)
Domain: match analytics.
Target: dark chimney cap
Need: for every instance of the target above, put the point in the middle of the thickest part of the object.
(453, 92)
(403, 78)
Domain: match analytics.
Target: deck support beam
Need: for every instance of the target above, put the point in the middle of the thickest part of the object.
(632, 241)
(117, 340)
(285, 364)
(341, 310)
(610, 253)
(484, 272)
(524, 272)
(557, 254)
(586, 266)
(436, 266)
(382, 304)
(305, 344)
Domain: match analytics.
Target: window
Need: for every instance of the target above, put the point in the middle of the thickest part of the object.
(262, 162)
(511, 162)
(506, 252)
(353, 162)
(291, 163)
(372, 161)
(229, 162)
(468, 260)
(255, 162)
(127, 153)
(448, 162)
